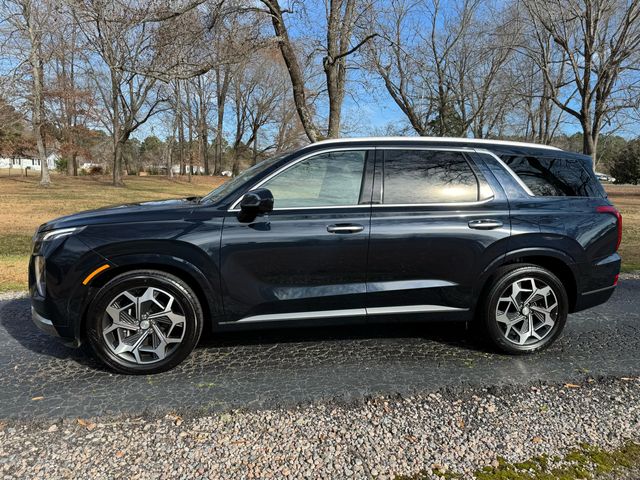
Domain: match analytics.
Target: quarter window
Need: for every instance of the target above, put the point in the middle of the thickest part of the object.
(428, 176)
(327, 179)
(553, 177)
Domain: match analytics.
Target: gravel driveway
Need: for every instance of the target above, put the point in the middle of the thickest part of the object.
(457, 433)
(41, 378)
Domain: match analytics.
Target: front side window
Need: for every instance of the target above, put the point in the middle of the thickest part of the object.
(324, 180)
(430, 176)
(553, 177)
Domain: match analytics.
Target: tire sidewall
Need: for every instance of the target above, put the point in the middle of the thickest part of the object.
(491, 324)
(183, 294)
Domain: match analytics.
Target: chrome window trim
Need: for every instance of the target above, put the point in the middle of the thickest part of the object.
(445, 204)
(508, 169)
(295, 162)
(349, 312)
(234, 208)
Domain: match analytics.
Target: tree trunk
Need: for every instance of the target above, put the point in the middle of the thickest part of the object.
(38, 100)
(222, 87)
(202, 124)
(190, 127)
(117, 146)
(255, 146)
(180, 123)
(295, 72)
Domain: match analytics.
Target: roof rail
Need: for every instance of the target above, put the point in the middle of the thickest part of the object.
(436, 139)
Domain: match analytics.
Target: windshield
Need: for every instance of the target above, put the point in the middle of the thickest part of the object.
(228, 187)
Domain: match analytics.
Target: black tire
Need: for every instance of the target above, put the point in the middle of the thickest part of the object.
(185, 301)
(497, 332)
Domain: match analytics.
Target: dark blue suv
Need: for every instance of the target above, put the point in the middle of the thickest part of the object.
(511, 236)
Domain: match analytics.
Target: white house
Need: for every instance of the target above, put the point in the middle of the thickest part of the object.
(30, 163)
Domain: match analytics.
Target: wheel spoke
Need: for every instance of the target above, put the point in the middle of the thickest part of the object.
(147, 328)
(526, 311)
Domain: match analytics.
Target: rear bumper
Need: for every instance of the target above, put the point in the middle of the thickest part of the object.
(598, 282)
(593, 298)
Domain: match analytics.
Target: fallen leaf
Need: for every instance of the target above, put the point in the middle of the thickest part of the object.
(460, 423)
(86, 424)
(177, 419)
(411, 438)
(37, 398)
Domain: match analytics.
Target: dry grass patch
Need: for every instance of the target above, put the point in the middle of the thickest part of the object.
(627, 199)
(24, 205)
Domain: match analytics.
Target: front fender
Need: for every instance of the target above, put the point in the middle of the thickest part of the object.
(186, 261)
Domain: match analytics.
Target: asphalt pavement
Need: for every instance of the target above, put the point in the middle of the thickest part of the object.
(41, 378)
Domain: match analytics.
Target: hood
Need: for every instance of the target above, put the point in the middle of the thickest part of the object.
(131, 212)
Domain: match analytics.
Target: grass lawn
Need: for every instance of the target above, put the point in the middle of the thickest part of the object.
(24, 205)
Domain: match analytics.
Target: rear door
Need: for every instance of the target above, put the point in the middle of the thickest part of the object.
(439, 223)
(306, 259)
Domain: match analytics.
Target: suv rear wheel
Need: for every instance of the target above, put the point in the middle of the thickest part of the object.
(525, 310)
(144, 321)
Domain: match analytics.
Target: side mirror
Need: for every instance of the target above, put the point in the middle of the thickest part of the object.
(256, 202)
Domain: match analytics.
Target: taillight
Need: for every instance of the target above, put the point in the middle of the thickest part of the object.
(613, 211)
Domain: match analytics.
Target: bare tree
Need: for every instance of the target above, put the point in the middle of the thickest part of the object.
(443, 65)
(599, 41)
(128, 37)
(341, 16)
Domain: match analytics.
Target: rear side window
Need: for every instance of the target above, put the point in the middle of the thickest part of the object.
(428, 176)
(554, 177)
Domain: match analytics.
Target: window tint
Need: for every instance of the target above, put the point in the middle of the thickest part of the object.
(553, 177)
(328, 179)
(425, 176)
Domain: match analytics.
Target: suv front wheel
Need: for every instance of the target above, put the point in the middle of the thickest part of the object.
(143, 322)
(525, 310)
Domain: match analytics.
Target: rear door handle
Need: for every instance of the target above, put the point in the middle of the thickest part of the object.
(345, 228)
(485, 224)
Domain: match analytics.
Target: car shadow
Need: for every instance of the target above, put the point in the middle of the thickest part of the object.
(452, 334)
(15, 320)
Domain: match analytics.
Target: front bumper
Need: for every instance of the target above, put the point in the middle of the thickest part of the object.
(43, 324)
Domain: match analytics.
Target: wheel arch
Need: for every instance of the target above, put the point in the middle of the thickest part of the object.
(206, 293)
(556, 261)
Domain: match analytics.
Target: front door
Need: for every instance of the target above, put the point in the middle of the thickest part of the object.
(437, 226)
(306, 260)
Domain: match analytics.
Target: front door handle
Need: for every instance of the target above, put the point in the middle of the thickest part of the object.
(345, 228)
(485, 224)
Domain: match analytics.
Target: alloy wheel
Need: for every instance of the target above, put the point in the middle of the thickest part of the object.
(527, 311)
(143, 325)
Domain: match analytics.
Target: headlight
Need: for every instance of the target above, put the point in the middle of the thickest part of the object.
(59, 233)
(38, 267)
